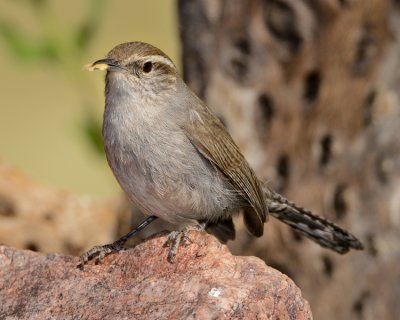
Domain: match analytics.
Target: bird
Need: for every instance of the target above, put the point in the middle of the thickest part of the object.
(176, 161)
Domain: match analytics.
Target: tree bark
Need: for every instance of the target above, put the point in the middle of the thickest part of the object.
(309, 90)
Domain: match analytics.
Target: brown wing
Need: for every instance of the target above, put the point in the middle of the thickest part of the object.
(212, 140)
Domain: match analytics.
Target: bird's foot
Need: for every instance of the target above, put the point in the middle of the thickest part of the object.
(99, 252)
(178, 238)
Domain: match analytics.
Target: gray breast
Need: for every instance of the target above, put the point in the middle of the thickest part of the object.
(156, 164)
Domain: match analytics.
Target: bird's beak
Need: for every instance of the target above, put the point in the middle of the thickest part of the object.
(102, 64)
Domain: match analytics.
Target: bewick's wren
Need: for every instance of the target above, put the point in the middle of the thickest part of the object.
(176, 161)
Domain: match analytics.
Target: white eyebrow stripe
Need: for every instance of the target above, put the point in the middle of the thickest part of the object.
(155, 58)
(158, 58)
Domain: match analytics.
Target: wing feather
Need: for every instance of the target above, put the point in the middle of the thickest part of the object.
(212, 140)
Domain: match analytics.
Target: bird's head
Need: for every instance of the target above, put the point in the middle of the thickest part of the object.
(137, 66)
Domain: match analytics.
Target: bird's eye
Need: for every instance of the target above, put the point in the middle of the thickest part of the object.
(147, 66)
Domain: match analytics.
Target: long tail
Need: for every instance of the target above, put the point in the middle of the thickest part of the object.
(325, 233)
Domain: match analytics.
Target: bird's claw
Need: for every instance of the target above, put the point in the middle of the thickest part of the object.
(98, 253)
(178, 238)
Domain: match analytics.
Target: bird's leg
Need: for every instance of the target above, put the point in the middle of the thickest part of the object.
(99, 252)
(177, 238)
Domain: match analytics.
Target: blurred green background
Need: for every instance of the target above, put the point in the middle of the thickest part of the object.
(51, 111)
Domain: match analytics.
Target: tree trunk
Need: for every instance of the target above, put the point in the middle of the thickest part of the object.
(309, 90)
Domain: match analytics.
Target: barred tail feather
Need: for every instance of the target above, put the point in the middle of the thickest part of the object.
(325, 233)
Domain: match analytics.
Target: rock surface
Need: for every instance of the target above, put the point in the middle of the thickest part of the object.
(205, 282)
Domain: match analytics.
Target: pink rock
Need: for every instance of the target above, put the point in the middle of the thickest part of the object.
(205, 282)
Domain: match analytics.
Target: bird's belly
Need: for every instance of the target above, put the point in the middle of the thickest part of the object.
(174, 183)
